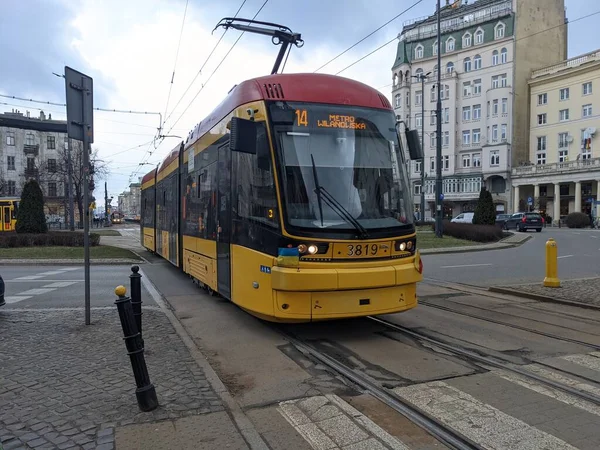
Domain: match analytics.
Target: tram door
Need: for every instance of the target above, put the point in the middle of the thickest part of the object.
(6, 219)
(224, 221)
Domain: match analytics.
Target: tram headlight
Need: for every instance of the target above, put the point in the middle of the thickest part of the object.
(302, 248)
(312, 249)
(402, 246)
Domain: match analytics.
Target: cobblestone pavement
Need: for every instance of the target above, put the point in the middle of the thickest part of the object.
(67, 385)
(582, 291)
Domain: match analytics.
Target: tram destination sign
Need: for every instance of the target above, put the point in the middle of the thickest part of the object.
(313, 119)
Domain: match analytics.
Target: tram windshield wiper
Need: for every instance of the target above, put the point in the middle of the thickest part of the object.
(337, 207)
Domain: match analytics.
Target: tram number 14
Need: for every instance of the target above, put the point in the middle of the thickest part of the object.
(363, 250)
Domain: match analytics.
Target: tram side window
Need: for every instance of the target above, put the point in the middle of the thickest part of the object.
(256, 197)
(207, 206)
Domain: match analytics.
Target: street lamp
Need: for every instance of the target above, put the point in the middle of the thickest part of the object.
(422, 77)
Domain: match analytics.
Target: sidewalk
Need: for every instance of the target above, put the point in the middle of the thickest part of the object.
(514, 240)
(582, 292)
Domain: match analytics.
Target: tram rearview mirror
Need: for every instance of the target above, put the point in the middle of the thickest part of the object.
(414, 145)
(243, 135)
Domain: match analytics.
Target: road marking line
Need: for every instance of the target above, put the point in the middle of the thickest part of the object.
(559, 377)
(69, 268)
(30, 277)
(594, 237)
(548, 391)
(60, 284)
(476, 420)
(464, 265)
(52, 272)
(37, 291)
(589, 361)
(16, 298)
(565, 256)
(42, 281)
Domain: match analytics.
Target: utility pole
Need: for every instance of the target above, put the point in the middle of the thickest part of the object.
(70, 181)
(438, 134)
(422, 78)
(105, 205)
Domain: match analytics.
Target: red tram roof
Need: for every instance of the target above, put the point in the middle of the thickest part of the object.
(149, 176)
(172, 156)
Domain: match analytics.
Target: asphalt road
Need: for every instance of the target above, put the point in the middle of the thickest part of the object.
(63, 286)
(578, 257)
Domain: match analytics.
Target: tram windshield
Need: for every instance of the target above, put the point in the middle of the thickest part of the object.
(342, 167)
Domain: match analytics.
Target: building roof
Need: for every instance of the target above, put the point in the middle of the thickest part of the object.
(13, 120)
(448, 12)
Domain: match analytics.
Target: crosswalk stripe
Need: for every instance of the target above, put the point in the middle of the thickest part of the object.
(591, 362)
(561, 378)
(38, 291)
(60, 284)
(477, 421)
(16, 298)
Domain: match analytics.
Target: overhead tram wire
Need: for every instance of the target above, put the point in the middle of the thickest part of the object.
(516, 40)
(202, 67)
(215, 70)
(370, 34)
(176, 57)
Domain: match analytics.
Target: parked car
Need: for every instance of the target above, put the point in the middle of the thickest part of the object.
(464, 218)
(501, 219)
(2, 302)
(525, 221)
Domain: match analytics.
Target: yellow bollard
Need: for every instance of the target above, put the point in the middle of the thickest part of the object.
(551, 279)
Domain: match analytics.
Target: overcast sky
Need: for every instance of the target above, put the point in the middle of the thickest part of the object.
(129, 48)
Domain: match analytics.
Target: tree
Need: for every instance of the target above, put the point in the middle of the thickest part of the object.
(485, 213)
(60, 172)
(31, 210)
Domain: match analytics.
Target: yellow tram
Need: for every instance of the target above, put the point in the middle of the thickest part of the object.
(9, 207)
(292, 200)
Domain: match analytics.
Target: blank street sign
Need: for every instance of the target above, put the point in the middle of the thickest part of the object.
(75, 82)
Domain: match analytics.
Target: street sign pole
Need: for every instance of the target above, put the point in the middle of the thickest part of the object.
(80, 126)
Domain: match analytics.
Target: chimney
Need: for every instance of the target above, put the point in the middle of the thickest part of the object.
(42, 115)
(27, 114)
(50, 116)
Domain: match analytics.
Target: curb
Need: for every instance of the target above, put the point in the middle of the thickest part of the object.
(541, 298)
(500, 245)
(68, 262)
(242, 422)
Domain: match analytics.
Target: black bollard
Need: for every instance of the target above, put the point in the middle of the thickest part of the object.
(136, 298)
(145, 392)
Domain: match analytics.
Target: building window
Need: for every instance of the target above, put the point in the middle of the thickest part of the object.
(505, 106)
(479, 36)
(476, 135)
(477, 62)
(432, 164)
(503, 132)
(30, 164)
(417, 166)
(476, 112)
(503, 80)
(477, 86)
(542, 99)
(10, 162)
(499, 30)
(563, 155)
(587, 88)
(418, 97)
(542, 119)
(467, 64)
(563, 115)
(587, 110)
(419, 52)
(466, 113)
(51, 142)
(503, 56)
(450, 67)
(29, 139)
(445, 91)
(495, 158)
(466, 40)
(466, 89)
(541, 143)
(562, 140)
(418, 121)
(417, 189)
(541, 158)
(495, 82)
(10, 138)
(495, 58)
(432, 118)
(398, 100)
(466, 161)
(433, 94)
(494, 133)
(494, 108)
(446, 115)
(450, 45)
(52, 165)
(446, 141)
(432, 139)
(476, 159)
(12, 187)
(488, 109)
(52, 189)
(434, 48)
(466, 137)
(564, 94)
(408, 99)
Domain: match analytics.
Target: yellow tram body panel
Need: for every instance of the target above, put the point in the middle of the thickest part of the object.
(199, 260)
(149, 239)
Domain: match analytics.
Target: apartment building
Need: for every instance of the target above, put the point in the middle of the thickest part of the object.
(129, 201)
(488, 50)
(30, 148)
(562, 174)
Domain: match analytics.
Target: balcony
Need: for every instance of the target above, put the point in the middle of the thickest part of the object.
(582, 165)
(31, 149)
(568, 64)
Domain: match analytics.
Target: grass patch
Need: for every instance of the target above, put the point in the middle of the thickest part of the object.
(98, 252)
(429, 240)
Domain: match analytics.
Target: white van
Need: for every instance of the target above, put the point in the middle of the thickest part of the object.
(464, 218)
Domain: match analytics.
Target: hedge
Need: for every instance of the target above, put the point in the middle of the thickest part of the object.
(56, 238)
(470, 232)
(578, 220)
